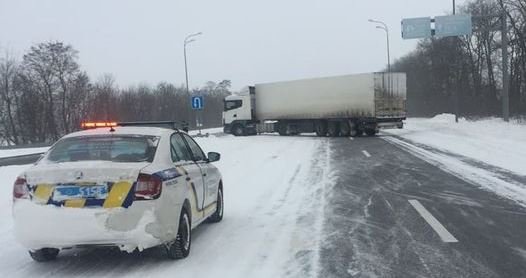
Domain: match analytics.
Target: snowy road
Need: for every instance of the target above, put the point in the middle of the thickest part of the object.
(329, 207)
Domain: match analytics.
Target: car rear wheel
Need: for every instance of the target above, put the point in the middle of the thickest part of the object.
(44, 254)
(218, 215)
(180, 247)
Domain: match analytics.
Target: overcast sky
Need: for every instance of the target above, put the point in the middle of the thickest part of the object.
(245, 41)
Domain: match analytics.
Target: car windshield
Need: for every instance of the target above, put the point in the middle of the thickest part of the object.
(108, 148)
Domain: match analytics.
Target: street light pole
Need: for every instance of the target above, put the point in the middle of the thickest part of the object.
(189, 39)
(384, 27)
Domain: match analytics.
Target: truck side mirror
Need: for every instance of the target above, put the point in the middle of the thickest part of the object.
(213, 156)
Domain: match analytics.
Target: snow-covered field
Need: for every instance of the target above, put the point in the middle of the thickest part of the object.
(491, 140)
(489, 153)
(272, 224)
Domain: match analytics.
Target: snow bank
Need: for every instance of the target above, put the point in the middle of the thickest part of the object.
(491, 140)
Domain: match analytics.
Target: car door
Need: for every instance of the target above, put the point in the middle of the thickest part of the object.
(183, 159)
(209, 172)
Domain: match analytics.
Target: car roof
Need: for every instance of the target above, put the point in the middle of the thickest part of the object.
(123, 130)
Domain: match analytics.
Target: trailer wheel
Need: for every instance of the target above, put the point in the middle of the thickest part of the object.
(321, 128)
(282, 129)
(359, 132)
(238, 130)
(345, 129)
(333, 129)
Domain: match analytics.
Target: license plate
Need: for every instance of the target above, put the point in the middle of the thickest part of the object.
(80, 192)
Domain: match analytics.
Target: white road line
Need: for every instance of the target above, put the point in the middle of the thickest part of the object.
(389, 204)
(351, 138)
(366, 153)
(433, 222)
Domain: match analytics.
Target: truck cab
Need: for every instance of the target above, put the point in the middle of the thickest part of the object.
(238, 114)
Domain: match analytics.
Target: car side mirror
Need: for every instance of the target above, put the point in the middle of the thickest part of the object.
(213, 156)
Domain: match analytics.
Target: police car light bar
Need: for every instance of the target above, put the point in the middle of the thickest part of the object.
(88, 125)
(165, 124)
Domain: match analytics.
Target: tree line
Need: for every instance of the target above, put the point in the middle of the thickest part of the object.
(46, 95)
(466, 72)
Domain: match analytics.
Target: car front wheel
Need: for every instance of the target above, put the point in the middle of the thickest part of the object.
(218, 215)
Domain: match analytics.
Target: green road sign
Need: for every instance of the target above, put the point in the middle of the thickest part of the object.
(453, 25)
(416, 28)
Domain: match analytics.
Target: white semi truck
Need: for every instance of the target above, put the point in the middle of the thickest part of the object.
(348, 105)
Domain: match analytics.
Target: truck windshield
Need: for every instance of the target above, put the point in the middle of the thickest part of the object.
(109, 148)
(232, 104)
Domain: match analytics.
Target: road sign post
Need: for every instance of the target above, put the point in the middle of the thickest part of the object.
(198, 105)
(455, 26)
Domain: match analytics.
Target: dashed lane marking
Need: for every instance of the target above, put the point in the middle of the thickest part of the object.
(433, 222)
(366, 153)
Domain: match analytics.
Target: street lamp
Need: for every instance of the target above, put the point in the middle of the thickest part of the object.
(384, 27)
(189, 39)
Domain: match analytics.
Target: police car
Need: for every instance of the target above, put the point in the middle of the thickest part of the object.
(131, 185)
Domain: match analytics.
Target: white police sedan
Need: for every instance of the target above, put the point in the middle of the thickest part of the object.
(131, 185)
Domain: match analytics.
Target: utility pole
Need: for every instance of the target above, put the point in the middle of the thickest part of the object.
(187, 41)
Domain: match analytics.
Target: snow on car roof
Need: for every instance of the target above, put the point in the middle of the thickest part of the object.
(122, 130)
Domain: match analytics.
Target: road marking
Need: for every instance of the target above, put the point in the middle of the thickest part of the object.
(389, 204)
(433, 222)
(351, 138)
(366, 153)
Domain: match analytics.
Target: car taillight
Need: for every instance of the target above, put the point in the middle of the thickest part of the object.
(20, 190)
(147, 187)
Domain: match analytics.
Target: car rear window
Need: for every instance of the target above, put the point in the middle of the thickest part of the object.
(110, 148)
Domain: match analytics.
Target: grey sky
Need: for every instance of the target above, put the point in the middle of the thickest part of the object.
(245, 41)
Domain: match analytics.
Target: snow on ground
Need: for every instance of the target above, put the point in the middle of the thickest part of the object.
(273, 214)
(16, 152)
(492, 141)
(488, 153)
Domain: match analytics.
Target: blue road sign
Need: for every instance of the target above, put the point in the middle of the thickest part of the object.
(416, 28)
(453, 25)
(197, 102)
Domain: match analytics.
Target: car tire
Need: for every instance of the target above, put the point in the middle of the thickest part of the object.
(44, 254)
(218, 215)
(180, 247)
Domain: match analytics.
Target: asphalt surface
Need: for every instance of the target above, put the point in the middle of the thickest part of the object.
(372, 230)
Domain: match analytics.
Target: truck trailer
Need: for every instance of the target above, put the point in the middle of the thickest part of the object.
(348, 105)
